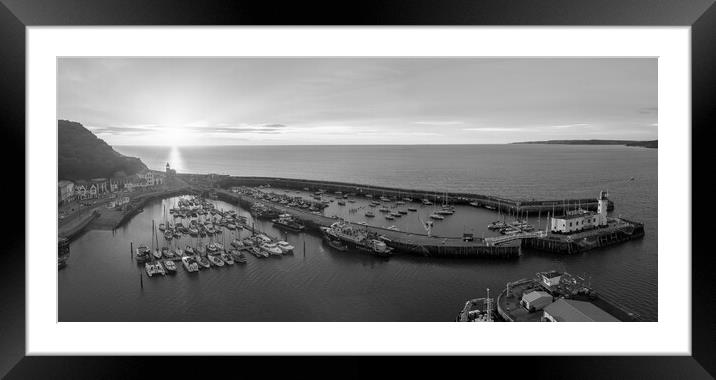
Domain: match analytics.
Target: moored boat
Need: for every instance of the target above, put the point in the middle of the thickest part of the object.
(203, 262)
(170, 266)
(215, 260)
(190, 264)
(271, 248)
(225, 257)
(285, 247)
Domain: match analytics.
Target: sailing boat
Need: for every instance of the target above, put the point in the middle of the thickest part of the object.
(446, 208)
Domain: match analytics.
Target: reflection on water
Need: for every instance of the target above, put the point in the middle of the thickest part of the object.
(175, 160)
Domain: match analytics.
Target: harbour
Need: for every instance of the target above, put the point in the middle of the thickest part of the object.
(466, 227)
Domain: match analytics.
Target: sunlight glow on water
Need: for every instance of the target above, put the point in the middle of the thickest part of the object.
(175, 160)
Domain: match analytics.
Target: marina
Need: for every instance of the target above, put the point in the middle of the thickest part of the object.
(252, 224)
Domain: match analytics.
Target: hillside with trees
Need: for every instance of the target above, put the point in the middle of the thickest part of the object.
(82, 155)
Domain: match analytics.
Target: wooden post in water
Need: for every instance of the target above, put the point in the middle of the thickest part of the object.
(304, 247)
(141, 280)
(131, 249)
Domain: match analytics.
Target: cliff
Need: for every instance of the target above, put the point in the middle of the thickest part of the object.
(82, 155)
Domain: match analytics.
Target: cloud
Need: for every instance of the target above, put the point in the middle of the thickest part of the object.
(571, 126)
(440, 123)
(494, 129)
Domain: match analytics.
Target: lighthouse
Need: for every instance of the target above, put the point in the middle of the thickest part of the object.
(602, 205)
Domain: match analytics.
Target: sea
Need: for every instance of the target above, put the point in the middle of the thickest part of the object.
(316, 283)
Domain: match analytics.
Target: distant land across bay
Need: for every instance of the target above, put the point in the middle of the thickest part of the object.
(643, 144)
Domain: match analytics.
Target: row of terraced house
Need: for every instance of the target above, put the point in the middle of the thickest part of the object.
(68, 191)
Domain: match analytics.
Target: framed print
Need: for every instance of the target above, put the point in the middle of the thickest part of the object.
(230, 183)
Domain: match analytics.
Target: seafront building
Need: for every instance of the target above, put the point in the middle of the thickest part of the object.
(68, 191)
(580, 220)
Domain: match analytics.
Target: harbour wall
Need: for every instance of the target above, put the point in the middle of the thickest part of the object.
(75, 230)
(599, 238)
(420, 244)
(136, 205)
(496, 203)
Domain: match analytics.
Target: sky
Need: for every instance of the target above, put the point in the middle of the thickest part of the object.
(359, 100)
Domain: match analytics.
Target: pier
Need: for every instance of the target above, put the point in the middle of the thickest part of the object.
(498, 204)
(616, 231)
(420, 244)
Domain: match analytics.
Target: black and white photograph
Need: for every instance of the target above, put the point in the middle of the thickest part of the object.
(357, 189)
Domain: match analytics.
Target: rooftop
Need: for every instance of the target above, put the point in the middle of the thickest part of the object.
(576, 216)
(535, 295)
(564, 310)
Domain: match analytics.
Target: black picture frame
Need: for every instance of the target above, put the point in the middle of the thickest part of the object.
(16, 15)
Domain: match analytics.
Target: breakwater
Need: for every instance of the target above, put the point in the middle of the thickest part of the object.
(523, 206)
(619, 231)
(137, 204)
(405, 242)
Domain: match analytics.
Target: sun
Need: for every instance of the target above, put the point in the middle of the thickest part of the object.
(175, 137)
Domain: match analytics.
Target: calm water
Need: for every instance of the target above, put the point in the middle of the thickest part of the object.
(101, 282)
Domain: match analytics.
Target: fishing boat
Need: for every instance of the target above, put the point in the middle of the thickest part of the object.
(287, 222)
(356, 237)
(215, 261)
(190, 264)
(337, 244)
(225, 257)
(285, 247)
(170, 266)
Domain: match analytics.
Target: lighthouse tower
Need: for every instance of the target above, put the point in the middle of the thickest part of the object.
(602, 204)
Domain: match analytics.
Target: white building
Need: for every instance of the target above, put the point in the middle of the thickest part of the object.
(536, 300)
(580, 220)
(550, 279)
(154, 178)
